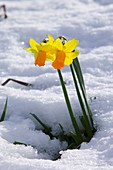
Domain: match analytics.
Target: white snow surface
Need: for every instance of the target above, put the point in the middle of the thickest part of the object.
(91, 22)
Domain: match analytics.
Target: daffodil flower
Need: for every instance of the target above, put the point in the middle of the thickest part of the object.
(42, 52)
(65, 53)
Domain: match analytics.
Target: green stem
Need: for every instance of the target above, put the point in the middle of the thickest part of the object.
(87, 123)
(74, 122)
(76, 65)
(82, 86)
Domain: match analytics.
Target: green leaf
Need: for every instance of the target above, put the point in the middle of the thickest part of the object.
(4, 111)
(61, 127)
(74, 122)
(78, 70)
(82, 104)
(88, 131)
(47, 129)
(74, 136)
(72, 146)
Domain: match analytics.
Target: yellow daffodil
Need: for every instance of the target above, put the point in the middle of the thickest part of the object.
(65, 53)
(60, 51)
(42, 52)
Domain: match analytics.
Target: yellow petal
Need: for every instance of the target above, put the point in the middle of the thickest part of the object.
(70, 45)
(50, 57)
(48, 41)
(35, 55)
(45, 48)
(33, 43)
(68, 61)
(58, 44)
(50, 38)
(73, 54)
(70, 57)
(31, 50)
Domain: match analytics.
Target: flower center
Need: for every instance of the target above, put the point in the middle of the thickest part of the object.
(41, 58)
(59, 61)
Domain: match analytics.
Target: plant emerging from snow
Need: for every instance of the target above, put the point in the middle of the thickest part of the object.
(61, 52)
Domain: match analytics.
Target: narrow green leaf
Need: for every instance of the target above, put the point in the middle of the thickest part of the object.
(74, 122)
(78, 71)
(72, 146)
(61, 128)
(76, 142)
(77, 67)
(81, 103)
(88, 130)
(47, 129)
(4, 111)
(74, 137)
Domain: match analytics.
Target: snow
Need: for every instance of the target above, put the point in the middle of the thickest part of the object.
(90, 21)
